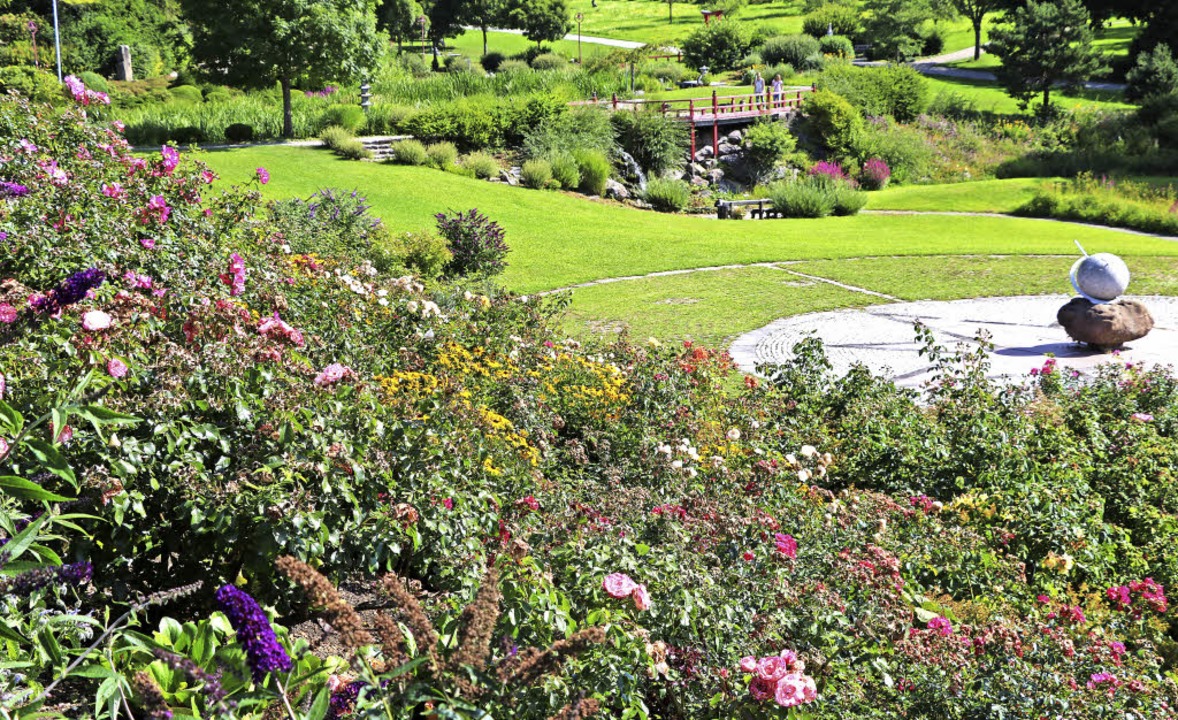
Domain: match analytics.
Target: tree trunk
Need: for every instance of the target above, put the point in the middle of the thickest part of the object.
(1047, 100)
(977, 38)
(287, 112)
(484, 40)
(671, 11)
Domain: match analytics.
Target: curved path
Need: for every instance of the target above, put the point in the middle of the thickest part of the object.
(1023, 330)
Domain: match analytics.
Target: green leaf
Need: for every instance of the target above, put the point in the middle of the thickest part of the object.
(319, 708)
(21, 488)
(52, 460)
(94, 672)
(12, 421)
(15, 547)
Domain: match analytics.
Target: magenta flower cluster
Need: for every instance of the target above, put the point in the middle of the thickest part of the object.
(829, 171)
(264, 653)
(780, 678)
(1150, 592)
(325, 92)
(82, 95)
(786, 545)
(875, 174)
(235, 276)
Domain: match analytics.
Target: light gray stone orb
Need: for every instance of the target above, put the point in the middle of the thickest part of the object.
(1102, 277)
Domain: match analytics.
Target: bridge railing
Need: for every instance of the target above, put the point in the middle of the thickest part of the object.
(718, 107)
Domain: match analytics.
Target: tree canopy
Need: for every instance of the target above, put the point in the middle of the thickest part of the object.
(256, 43)
(1044, 44)
(541, 20)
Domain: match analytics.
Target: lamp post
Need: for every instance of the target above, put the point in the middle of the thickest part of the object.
(580, 17)
(57, 40)
(36, 55)
(422, 21)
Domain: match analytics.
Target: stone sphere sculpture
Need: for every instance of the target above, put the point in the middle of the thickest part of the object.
(1100, 278)
(1097, 317)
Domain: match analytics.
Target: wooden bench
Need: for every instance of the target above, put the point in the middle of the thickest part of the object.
(762, 208)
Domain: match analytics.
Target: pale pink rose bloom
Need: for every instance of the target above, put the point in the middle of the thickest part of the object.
(772, 668)
(116, 368)
(7, 314)
(748, 663)
(791, 690)
(96, 320)
(618, 585)
(332, 374)
(641, 597)
(3, 447)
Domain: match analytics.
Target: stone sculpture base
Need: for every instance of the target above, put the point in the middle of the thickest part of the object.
(1108, 325)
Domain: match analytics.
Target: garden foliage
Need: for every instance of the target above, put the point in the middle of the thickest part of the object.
(197, 389)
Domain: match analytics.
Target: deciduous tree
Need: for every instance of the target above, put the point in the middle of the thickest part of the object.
(541, 20)
(975, 11)
(256, 43)
(399, 18)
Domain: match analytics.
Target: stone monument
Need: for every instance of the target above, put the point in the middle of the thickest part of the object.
(123, 69)
(1098, 317)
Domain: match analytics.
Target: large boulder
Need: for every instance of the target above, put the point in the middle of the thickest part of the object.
(1107, 325)
(615, 190)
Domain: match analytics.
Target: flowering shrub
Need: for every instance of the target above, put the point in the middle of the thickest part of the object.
(259, 412)
(875, 175)
(476, 243)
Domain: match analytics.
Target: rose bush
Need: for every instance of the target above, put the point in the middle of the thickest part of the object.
(193, 390)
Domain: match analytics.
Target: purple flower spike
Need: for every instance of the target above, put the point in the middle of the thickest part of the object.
(254, 632)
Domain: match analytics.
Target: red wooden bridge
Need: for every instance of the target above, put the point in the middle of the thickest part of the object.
(712, 112)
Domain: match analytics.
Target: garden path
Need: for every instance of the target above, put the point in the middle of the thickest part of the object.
(1022, 329)
(625, 44)
(938, 66)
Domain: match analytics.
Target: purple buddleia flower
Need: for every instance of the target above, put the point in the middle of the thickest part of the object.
(214, 693)
(69, 292)
(254, 632)
(75, 574)
(343, 701)
(13, 190)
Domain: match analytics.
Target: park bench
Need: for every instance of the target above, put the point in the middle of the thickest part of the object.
(758, 209)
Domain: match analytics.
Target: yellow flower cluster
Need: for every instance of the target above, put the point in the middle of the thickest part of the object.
(597, 390)
(501, 428)
(408, 384)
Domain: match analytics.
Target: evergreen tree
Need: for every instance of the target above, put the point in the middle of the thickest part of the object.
(1044, 44)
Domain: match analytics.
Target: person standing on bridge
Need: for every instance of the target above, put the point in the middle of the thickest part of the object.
(778, 89)
(758, 87)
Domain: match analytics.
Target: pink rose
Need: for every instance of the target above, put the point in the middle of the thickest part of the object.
(618, 585)
(95, 320)
(641, 597)
(116, 368)
(795, 689)
(748, 664)
(761, 689)
(332, 374)
(7, 314)
(772, 668)
(148, 243)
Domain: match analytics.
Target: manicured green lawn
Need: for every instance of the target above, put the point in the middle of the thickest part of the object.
(470, 43)
(990, 97)
(714, 307)
(1001, 196)
(709, 307)
(559, 239)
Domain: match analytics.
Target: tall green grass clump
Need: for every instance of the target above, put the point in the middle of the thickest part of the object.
(595, 169)
(442, 155)
(483, 165)
(667, 195)
(410, 152)
(536, 174)
(566, 171)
